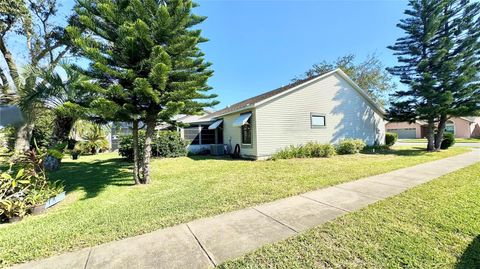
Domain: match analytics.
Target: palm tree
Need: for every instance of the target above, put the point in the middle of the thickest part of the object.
(93, 135)
(67, 98)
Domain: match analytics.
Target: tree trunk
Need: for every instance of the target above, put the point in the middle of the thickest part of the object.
(430, 136)
(136, 159)
(61, 129)
(148, 149)
(24, 135)
(441, 129)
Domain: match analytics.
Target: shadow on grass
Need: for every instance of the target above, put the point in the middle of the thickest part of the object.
(93, 177)
(212, 157)
(415, 151)
(470, 259)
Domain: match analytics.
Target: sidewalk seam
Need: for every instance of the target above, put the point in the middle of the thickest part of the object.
(88, 258)
(201, 246)
(272, 218)
(322, 203)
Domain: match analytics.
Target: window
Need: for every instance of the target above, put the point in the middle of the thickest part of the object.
(317, 120)
(247, 132)
(192, 134)
(450, 127)
(208, 136)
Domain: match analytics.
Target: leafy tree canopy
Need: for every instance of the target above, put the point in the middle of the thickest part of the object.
(369, 74)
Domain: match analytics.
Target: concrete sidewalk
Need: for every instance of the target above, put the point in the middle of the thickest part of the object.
(210, 241)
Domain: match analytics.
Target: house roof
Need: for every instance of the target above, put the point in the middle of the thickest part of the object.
(469, 119)
(253, 101)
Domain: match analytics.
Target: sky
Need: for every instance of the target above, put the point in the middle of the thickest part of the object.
(257, 46)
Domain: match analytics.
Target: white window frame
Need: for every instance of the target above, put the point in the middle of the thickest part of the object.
(313, 126)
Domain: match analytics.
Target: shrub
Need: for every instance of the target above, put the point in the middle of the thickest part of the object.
(448, 140)
(350, 146)
(390, 139)
(167, 144)
(309, 150)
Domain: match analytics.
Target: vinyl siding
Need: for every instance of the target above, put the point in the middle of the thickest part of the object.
(286, 120)
(232, 135)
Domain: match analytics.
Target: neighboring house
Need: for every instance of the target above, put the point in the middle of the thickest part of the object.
(461, 127)
(324, 109)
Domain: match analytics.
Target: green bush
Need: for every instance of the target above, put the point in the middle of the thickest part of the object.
(166, 144)
(350, 146)
(309, 150)
(390, 139)
(169, 144)
(448, 141)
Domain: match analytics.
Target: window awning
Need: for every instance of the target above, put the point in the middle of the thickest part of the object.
(242, 119)
(214, 125)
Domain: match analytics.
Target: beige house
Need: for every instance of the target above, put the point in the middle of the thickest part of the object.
(324, 109)
(461, 127)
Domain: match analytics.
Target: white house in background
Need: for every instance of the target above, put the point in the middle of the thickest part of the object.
(325, 109)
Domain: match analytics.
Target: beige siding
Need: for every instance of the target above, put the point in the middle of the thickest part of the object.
(232, 135)
(286, 120)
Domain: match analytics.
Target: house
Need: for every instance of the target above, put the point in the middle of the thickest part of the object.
(461, 127)
(325, 109)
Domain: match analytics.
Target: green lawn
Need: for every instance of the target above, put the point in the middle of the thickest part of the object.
(457, 140)
(102, 204)
(436, 225)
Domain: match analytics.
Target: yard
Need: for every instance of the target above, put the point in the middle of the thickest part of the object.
(102, 204)
(436, 225)
(457, 140)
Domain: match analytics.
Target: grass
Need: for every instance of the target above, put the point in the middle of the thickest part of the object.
(457, 140)
(436, 225)
(102, 205)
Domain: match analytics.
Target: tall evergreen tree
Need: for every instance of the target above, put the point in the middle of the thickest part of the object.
(145, 63)
(415, 53)
(456, 62)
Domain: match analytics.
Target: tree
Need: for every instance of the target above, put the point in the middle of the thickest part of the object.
(67, 99)
(440, 64)
(145, 62)
(456, 62)
(93, 136)
(370, 74)
(414, 52)
(45, 44)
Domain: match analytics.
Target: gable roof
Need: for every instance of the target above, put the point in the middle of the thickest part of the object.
(469, 119)
(264, 97)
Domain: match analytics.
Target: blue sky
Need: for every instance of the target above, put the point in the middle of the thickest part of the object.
(257, 46)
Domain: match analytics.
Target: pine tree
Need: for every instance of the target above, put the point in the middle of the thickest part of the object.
(145, 63)
(414, 51)
(456, 62)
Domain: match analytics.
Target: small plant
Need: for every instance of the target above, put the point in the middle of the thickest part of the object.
(55, 154)
(350, 146)
(390, 139)
(448, 140)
